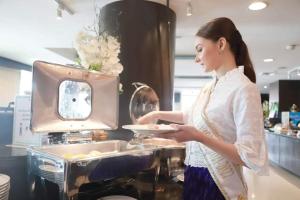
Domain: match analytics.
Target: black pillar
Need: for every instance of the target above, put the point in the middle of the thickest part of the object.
(146, 31)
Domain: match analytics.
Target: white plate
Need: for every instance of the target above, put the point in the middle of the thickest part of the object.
(4, 196)
(117, 197)
(180, 177)
(147, 129)
(4, 191)
(2, 188)
(4, 179)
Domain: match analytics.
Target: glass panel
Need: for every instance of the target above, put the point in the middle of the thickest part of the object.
(74, 100)
(143, 101)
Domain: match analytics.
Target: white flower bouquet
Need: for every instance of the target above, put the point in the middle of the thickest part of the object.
(99, 53)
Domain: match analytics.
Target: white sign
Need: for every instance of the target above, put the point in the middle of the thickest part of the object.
(22, 134)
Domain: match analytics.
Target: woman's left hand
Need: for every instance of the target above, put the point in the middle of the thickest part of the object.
(184, 133)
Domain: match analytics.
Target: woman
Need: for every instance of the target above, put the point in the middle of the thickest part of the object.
(223, 130)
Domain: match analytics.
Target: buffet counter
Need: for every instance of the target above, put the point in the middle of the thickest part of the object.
(284, 150)
(18, 163)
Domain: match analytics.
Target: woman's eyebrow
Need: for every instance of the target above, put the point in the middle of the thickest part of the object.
(197, 46)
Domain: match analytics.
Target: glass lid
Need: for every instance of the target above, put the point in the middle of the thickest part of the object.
(143, 101)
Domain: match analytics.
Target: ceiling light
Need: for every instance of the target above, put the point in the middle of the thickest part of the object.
(257, 5)
(282, 68)
(267, 73)
(59, 13)
(189, 9)
(290, 47)
(268, 60)
(265, 88)
(62, 7)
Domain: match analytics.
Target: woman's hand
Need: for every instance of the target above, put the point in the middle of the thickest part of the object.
(184, 133)
(149, 118)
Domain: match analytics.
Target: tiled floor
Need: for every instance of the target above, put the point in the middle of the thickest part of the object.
(279, 185)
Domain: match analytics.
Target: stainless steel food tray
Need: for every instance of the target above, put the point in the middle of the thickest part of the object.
(118, 158)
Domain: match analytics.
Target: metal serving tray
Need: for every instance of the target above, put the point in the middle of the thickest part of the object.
(117, 158)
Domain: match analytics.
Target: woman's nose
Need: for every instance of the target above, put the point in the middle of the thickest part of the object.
(197, 59)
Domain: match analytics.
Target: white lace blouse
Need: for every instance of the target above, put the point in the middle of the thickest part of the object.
(235, 111)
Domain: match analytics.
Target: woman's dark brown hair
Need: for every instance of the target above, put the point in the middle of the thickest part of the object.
(224, 27)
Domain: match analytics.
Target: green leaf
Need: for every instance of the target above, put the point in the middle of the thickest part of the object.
(96, 67)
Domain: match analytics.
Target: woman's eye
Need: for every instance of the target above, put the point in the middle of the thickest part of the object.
(199, 50)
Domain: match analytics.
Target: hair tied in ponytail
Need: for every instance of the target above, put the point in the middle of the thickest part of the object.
(224, 27)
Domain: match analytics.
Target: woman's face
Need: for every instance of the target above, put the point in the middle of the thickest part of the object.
(207, 54)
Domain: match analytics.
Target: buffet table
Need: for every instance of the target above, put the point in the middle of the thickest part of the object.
(284, 150)
(14, 163)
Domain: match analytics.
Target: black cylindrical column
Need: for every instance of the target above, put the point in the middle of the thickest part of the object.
(146, 31)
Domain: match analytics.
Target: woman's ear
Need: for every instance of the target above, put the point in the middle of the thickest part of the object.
(222, 44)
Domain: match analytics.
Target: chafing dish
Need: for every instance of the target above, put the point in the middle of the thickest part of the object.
(171, 155)
(117, 158)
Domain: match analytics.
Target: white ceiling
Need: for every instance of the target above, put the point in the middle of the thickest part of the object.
(30, 30)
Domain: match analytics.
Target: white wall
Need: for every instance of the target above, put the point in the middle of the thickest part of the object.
(9, 85)
(188, 81)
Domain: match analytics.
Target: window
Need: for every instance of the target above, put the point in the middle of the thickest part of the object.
(25, 83)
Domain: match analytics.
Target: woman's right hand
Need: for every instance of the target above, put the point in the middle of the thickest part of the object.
(149, 118)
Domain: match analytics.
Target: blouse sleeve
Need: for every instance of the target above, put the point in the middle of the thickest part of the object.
(248, 118)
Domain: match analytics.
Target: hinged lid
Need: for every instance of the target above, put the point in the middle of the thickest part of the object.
(72, 99)
(143, 101)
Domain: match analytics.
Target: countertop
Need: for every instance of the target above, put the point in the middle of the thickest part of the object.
(283, 135)
(8, 152)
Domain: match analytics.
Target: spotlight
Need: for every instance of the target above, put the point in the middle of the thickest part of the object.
(257, 5)
(61, 6)
(189, 9)
(59, 13)
(268, 60)
(290, 47)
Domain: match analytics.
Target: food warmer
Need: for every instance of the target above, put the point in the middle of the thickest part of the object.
(66, 99)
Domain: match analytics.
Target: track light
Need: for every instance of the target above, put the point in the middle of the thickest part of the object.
(189, 9)
(62, 7)
(59, 13)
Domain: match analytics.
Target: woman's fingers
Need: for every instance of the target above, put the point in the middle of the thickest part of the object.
(149, 118)
(172, 135)
(144, 119)
(175, 126)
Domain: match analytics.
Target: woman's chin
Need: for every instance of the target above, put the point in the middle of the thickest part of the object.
(206, 69)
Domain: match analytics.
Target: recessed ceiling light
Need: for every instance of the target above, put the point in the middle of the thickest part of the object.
(282, 68)
(257, 5)
(268, 60)
(59, 13)
(267, 74)
(265, 86)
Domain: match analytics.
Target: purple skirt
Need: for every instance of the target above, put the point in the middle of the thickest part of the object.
(199, 185)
